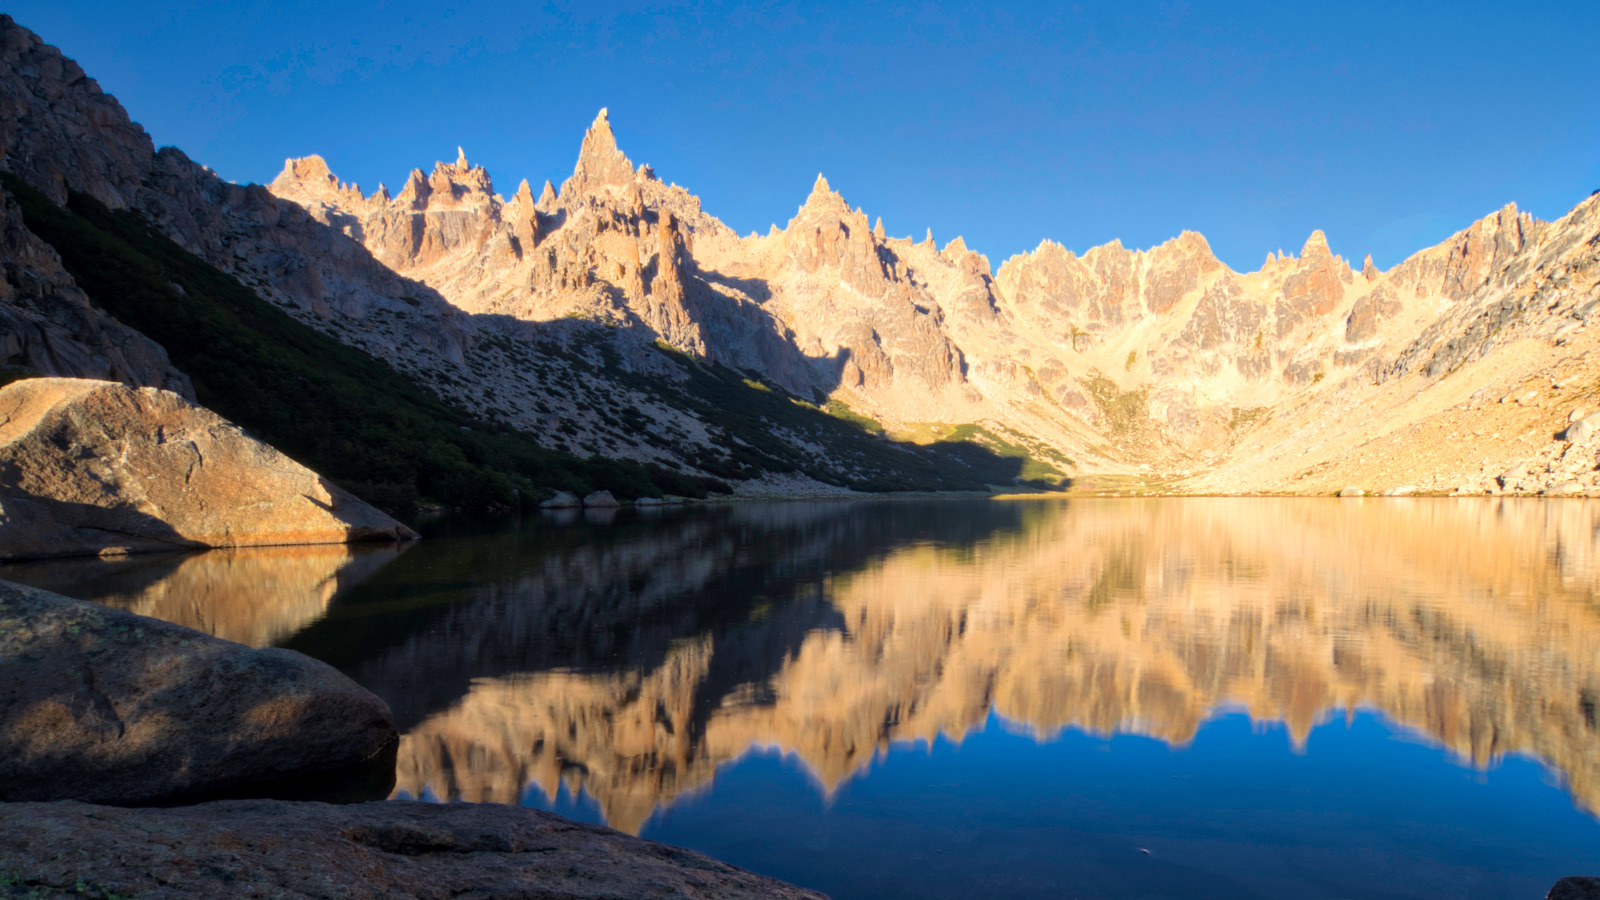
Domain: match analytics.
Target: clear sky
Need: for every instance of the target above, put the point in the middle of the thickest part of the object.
(1388, 125)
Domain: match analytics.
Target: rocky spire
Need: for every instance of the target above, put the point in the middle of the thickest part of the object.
(668, 285)
(461, 158)
(416, 191)
(1368, 270)
(1316, 245)
(600, 163)
(548, 195)
(524, 194)
(877, 230)
(823, 197)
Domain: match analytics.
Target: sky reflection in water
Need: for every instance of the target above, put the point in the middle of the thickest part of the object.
(1141, 698)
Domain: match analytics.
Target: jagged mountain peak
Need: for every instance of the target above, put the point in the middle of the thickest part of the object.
(311, 178)
(600, 162)
(824, 198)
(524, 194)
(1316, 246)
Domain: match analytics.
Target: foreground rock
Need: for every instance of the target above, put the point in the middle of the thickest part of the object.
(91, 467)
(264, 848)
(102, 705)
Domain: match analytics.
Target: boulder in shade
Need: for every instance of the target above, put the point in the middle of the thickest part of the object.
(106, 706)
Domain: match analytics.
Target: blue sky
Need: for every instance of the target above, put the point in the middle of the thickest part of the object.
(1388, 125)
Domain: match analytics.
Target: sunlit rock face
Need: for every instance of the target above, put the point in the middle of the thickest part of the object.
(1472, 625)
(96, 467)
(1114, 357)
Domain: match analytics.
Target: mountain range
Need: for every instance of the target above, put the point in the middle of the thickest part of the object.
(612, 333)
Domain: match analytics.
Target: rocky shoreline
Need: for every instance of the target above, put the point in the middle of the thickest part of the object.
(394, 849)
(136, 716)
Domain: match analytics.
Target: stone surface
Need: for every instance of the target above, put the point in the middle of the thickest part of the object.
(1584, 429)
(91, 467)
(102, 705)
(1576, 887)
(600, 500)
(48, 326)
(561, 500)
(262, 848)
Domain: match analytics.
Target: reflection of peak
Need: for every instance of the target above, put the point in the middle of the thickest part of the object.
(1123, 648)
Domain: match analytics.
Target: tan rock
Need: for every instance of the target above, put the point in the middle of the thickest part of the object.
(92, 467)
(102, 705)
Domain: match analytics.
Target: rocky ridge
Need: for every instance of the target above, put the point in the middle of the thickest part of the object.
(1162, 360)
(1163, 366)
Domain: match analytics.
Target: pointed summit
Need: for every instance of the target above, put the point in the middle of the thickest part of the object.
(1368, 270)
(823, 197)
(877, 230)
(461, 158)
(600, 163)
(1316, 245)
(548, 195)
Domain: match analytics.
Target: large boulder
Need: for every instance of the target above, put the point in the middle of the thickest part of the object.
(600, 500)
(265, 848)
(562, 500)
(91, 467)
(106, 706)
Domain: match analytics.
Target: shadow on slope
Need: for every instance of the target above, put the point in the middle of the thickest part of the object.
(355, 419)
(331, 406)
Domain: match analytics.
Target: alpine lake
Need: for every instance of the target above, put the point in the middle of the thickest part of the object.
(1096, 697)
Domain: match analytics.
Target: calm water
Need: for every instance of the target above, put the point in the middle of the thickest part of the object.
(1225, 698)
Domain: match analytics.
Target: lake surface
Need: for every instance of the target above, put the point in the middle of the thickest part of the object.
(1196, 698)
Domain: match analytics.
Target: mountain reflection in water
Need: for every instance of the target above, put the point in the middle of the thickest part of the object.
(633, 668)
(260, 596)
(629, 660)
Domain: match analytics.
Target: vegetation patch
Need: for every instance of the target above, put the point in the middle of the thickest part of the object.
(1244, 417)
(1124, 411)
(1039, 464)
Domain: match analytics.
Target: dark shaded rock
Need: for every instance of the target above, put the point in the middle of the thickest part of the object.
(1576, 887)
(562, 500)
(600, 500)
(264, 848)
(106, 706)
